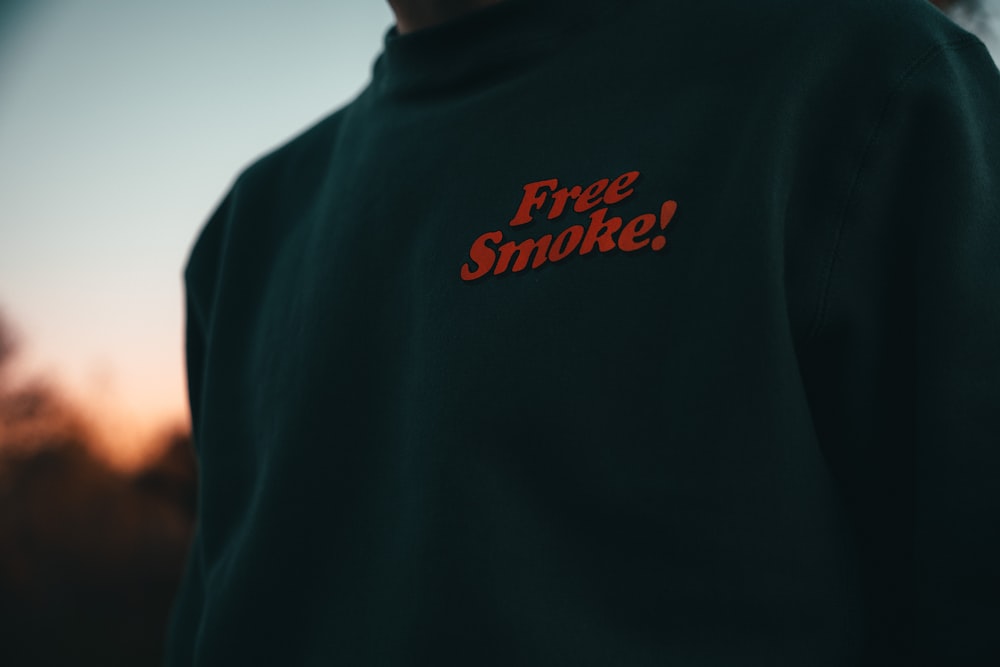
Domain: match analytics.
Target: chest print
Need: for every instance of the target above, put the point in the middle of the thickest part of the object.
(490, 254)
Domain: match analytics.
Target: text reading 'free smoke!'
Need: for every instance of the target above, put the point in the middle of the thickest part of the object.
(490, 254)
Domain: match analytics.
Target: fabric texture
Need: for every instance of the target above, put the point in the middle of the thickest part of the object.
(611, 333)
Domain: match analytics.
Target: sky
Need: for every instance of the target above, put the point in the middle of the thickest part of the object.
(985, 22)
(122, 124)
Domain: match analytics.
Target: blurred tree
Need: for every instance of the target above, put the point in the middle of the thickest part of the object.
(7, 346)
(172, 476)
(90, 558)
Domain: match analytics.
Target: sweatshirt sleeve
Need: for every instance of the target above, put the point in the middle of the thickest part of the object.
(902, 367)
(200, 278)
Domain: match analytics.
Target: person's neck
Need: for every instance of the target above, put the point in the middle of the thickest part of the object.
(413, 15)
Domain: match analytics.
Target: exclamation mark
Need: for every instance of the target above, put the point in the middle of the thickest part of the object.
(667, 212)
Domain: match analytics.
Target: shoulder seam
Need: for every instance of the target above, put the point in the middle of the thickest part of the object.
(819, 320)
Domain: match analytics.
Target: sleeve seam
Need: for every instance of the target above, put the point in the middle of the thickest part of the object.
(930, 54)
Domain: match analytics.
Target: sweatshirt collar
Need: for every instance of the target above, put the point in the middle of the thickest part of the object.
(481, 47)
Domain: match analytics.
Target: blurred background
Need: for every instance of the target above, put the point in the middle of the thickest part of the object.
(122, 124)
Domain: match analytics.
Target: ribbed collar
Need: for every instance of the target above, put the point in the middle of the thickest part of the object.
(482, 46)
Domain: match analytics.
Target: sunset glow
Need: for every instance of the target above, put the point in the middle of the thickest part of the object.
(121, 126)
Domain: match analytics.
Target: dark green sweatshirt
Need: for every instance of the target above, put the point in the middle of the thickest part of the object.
(593, 333)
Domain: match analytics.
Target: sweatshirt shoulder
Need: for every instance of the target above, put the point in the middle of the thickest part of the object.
(302, 155)
(291, 170)
(813, 38)
(884, 38)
